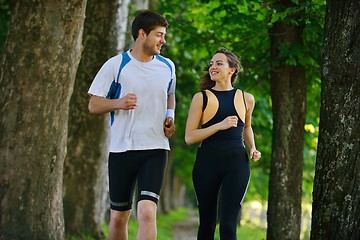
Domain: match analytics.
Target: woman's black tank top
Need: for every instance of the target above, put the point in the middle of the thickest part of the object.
(232, 137)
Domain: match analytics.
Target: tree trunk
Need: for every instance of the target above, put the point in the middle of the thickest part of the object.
(169, 194)
(86, 162)
(288, 92)
(38, 70)
(336, 195)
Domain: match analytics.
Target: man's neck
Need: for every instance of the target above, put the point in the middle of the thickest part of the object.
(138, 54)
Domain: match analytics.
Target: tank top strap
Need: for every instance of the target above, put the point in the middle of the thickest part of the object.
(205, 99)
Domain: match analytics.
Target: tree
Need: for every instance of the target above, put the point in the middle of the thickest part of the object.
(288, 93)
(4, 20)
(336, 195)
(38, 70)
(85, 168)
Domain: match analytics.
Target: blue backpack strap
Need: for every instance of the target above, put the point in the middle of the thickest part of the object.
(115, 88)
(162, 59)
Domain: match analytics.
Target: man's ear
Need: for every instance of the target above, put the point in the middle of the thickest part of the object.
(141, 33)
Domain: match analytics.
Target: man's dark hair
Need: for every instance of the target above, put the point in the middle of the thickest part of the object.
(147, 20)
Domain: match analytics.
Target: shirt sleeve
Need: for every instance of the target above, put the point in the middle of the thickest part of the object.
(173, 80)
(105, 76)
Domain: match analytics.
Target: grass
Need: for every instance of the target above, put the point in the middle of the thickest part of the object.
(165, 224)
(248, 232)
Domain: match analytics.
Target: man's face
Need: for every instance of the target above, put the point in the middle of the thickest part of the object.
(154, 41)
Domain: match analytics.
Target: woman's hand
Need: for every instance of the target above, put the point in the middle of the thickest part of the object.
(229, 122)
(255, 155)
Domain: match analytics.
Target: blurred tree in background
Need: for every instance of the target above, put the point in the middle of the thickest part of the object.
(85, 168)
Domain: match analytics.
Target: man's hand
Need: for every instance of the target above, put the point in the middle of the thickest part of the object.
(127, 102)
(169, 127)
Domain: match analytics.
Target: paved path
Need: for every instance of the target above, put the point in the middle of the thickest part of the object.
(187, 229)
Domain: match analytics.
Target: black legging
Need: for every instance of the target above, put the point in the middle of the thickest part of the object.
(229, 170)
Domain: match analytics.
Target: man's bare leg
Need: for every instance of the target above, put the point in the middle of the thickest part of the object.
(146, 216)
(118, 227)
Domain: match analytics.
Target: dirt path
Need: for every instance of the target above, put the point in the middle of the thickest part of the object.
(187, 229)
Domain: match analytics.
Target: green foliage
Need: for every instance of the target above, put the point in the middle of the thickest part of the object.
(288, 12)
(248, 232)
(313, 40)
(166, 221)
(198, 28)
(82, 236)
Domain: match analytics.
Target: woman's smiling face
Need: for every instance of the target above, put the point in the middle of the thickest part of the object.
(219, 68)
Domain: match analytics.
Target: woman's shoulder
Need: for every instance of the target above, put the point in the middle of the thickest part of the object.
(247, 96)
(197, 97)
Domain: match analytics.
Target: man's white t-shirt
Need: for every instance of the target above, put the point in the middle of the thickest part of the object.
(141, 128)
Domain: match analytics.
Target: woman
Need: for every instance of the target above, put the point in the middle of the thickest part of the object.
(224, 114)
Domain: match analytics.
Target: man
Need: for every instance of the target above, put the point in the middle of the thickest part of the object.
(137, 88)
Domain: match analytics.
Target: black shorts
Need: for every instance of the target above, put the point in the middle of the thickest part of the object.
(147, 167)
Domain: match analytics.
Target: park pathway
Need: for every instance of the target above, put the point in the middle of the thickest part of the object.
(187, 229)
